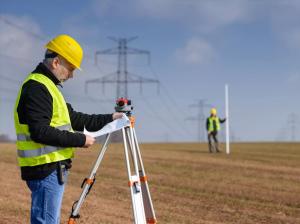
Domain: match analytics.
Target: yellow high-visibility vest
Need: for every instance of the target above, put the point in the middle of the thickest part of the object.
(211, 123)
(31, 153)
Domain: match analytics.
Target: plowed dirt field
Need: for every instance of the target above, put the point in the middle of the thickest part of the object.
(258, 183)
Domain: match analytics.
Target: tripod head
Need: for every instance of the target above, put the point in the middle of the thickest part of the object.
(123, 105)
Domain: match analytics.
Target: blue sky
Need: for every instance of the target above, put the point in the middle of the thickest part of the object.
(197, 46)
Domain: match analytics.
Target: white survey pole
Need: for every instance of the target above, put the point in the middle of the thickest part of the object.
(227, 118)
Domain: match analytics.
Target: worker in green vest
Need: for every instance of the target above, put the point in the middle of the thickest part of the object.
(45, 126)
(212, 127)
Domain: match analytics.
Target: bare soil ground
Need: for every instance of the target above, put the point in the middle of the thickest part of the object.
(259, 183)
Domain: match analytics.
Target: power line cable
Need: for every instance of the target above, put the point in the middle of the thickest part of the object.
(173, 103)
(167, 92)
(8, 22)
(86, 98)
(159, 117)
(10, 79)
(171, 110)
(18, 58)
(121, 77)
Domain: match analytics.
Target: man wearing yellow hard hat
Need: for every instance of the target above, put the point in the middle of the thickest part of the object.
(212, 127)
(45, 126)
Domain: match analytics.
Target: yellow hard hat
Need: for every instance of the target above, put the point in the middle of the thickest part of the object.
(68, 48)
(213, 111)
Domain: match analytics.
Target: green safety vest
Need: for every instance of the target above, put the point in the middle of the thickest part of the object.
(31, 153)
(211, 121)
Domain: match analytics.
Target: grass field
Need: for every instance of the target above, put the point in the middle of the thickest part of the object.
(258, 183)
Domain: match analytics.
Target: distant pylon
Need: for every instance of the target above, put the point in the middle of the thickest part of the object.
(121, 77)
(200, 118)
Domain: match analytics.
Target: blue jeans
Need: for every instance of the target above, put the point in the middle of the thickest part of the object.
(46, 199)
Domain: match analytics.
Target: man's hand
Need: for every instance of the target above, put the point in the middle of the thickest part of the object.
(117, 115)
(89, 141)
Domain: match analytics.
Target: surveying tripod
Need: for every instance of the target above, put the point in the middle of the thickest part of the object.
(142, 207)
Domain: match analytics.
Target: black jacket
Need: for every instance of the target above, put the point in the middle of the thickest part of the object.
(35, 110)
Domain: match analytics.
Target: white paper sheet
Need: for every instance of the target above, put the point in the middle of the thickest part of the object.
(110, 127)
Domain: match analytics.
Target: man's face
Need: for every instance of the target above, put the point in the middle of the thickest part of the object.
(63, 70)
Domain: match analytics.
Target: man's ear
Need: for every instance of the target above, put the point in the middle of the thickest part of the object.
(55, 63)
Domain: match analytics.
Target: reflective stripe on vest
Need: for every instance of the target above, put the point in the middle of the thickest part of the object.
(37, 152)
(40, 151)
(211, 121)
(31, 153)
(25, 137)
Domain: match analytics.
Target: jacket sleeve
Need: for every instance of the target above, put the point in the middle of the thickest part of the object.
(222, 120)
(38, 113)
(92, 122)
(207, 124)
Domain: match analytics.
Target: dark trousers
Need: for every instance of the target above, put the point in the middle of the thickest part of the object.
(211, 147)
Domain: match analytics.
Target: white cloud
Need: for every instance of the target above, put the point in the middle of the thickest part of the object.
(202, 15)
(18, 38)
(196, 51)
(21, 47)
(103, 8)
(205, 15)
(220, 13)
(20, 52)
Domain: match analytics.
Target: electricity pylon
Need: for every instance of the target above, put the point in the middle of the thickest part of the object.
(200, 118)
(121, 77)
